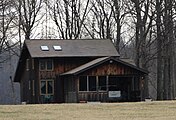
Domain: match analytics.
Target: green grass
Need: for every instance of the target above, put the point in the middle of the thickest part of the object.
(165, 110)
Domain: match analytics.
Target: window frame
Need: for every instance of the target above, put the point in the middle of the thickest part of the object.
(106, 83)
(87, 81)
(57, 47)
(46, 64)
(46, 82)
(44, 48)
(89, 84)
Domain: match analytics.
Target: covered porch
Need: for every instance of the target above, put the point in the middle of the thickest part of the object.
(104, 79)
(109, 88)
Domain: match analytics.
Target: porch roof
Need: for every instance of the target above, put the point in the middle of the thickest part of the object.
(99, 61)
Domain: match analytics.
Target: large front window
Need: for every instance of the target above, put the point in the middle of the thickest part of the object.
(92, 83)
(46, 64)
(47, 87)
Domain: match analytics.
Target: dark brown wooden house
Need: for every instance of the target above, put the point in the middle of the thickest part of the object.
(57, 71)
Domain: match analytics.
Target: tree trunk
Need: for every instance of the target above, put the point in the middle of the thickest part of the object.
(141, 49)
(160, 63)
(117, 19)
(169, 37)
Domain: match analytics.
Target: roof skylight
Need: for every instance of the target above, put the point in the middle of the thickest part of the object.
(44, 48)
(57, 48)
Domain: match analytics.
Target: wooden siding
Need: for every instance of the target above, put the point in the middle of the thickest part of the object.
(62, 86)
(109, 68)
(24, 86)
(62, 65)
(26, 83)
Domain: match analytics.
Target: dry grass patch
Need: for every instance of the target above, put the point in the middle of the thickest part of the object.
(104, 111)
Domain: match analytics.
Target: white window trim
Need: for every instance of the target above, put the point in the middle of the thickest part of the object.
(46, 80)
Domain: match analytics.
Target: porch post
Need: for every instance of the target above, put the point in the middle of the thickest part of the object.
(107, 87)
(87, 83)
(77, 88)
(97, 88)
(141, 79)
(107, 83)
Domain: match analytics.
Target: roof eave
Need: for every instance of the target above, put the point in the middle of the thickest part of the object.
(109, 58)
(87, 68)
(133, 66)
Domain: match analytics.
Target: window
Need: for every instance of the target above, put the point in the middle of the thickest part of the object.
(57, 48)
(83, 83)
(47, 87)
(33, 87)
(49, 65)
(42, 65)
(102, 83)
(29, 85)
(89, 83)
(92, 83)
(33, 64)
(44, 48)
(27, 64)
(46, 64)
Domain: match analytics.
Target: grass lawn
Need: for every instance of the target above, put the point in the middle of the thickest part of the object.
(100, 111)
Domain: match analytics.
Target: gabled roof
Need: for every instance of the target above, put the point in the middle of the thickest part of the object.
(71, 48)
(99, 61)
(85, 66)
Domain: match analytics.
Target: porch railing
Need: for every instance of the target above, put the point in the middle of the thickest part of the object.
(93, 96)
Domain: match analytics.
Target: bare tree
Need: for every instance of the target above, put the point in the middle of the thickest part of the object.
(118, 16)
(103, 13)
(8, 33)
(28, 13)
(69, 17)
(7, 15)
(166, 54)
(109, 17)
(160, 62)
(143, 16)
